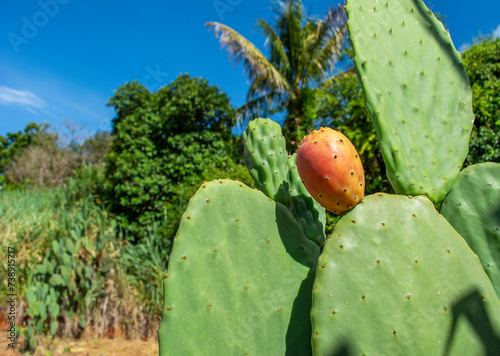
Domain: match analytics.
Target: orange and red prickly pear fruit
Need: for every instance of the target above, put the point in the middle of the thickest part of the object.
(331, 170)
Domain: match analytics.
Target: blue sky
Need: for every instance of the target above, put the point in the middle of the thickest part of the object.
(62, 59)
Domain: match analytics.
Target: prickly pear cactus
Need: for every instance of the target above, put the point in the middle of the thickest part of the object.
(266, 158)
(275, 174)
(396, 279)
(416, 92)
(331, 170)
(473, 208)
(239, 279)
(308, 212)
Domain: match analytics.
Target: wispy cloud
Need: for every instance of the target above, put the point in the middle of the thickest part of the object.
(463, 47)
(25, 98)
(496, 33)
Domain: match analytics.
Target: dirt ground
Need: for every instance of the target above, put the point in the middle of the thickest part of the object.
(88, 347)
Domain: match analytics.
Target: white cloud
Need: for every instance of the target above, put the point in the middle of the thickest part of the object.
(496, 33)
(463, 47)
(21, 97)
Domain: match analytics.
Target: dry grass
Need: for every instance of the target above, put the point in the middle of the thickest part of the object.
(88, 347)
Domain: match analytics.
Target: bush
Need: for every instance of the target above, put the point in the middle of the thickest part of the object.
(482, 65)
(164, 144)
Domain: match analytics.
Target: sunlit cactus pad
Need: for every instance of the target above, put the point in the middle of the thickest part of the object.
(416, 92)
(473, 208)
(235, 283)
(396, 279)
(266, 158)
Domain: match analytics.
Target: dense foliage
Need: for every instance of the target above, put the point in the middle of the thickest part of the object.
(341, 107)
(482, 63)
(38, 156)
(165, 144)
(14, 143)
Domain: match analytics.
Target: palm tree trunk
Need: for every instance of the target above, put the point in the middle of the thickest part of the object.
(297, 126)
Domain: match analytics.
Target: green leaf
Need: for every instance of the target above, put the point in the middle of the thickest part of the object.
(70, 246)
(56, 247)
(89, 272)
(40, 269)
(67, 260)
(34, 309)
(53, 328)
(54, 310)
(31, 294)
(56, 280)
(43, 310)
(81, 320)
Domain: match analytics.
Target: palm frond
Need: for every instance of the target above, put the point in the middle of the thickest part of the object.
(278, 52)
(289, 21)
(261, 106)
(327, 44)
(239, 49)
(332, 21)
(326, 83)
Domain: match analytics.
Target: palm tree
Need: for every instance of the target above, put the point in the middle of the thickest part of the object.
(302, 59)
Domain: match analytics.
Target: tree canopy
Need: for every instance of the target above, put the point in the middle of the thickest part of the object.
(482, 64)
(165, 144)
(39, 156)
(303, 52)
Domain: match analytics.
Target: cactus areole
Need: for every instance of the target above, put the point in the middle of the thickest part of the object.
(331, 170)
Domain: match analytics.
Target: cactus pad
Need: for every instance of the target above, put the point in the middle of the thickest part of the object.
(416, 93)
(239, 279)
(396, 279)
(266, 158)
(308, 212)
(473, 208)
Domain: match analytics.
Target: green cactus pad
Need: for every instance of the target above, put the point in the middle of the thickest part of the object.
(239, 279)
(266, 158)
(416, 92)
(308, 212)
(396, 279)
(472, 207)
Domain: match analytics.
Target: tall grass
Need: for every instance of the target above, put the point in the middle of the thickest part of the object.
(29, 221)
(127, 297)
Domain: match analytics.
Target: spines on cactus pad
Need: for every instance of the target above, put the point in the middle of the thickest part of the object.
(472, 207)
(308, 212)
(396, 279)
(266, 158)
(416, 93)
(239, 279)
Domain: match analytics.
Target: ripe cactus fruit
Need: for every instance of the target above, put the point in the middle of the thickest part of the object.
(472, 207)
(266, 158)
(396, 279)
(239, 279)
(331, 170)
(416, 93)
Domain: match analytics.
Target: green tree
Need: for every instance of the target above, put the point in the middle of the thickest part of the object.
(38, 156)
(94, 149)
(14, 143)
(303, 53)
(482, 64)
(165, 143)
(341, 106)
